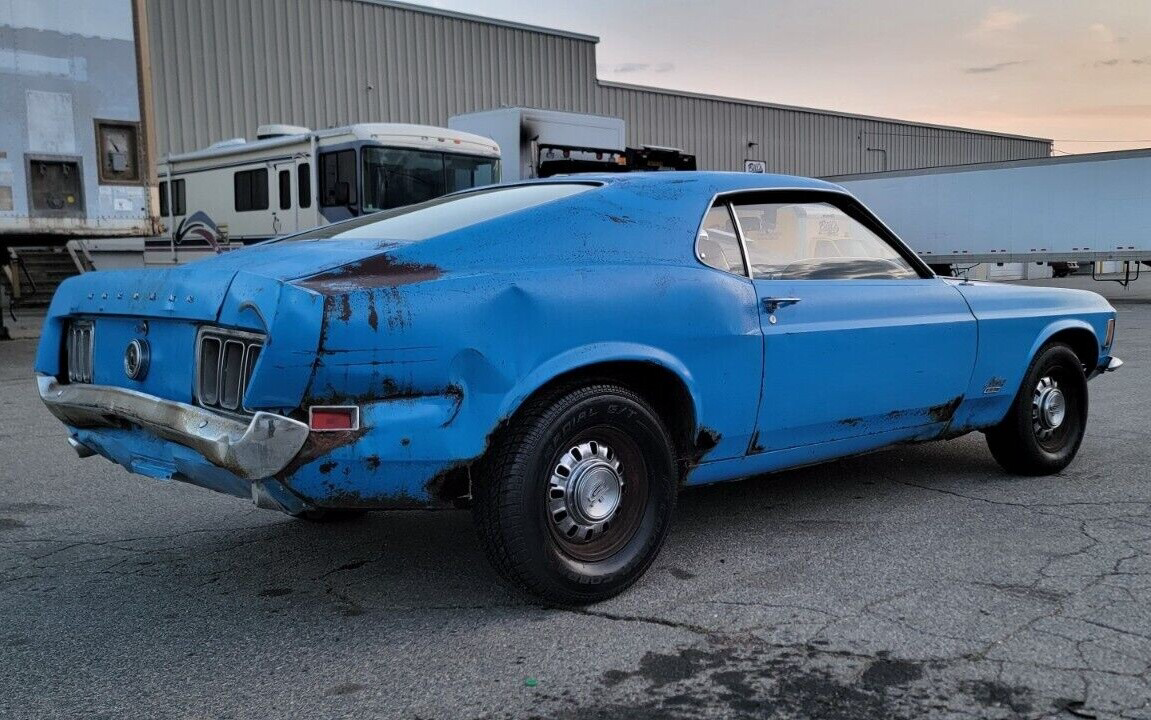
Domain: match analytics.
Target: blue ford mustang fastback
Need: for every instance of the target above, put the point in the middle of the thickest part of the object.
(565, 354)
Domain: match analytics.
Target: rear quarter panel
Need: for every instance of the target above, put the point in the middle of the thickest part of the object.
(457, 355)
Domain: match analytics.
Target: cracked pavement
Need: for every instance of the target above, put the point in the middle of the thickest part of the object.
(919, 582)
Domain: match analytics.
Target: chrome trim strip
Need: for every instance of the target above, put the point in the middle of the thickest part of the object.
(251, 450)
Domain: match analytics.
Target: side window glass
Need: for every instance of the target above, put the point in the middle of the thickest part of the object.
(338, 178)
(251, 190)
(285, 180)
(304, 184)
(717, 245)
(815, 241)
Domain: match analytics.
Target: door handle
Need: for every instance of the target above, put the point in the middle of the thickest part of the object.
(771, 304)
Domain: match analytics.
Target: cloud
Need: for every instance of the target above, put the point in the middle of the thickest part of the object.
(1000, 20)
(984, 69)
(633, 67)
(1113, 62)
(1102, 33)
(1107, 111)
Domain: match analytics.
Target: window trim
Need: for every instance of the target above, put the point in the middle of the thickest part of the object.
(841, 200)
(738, 238)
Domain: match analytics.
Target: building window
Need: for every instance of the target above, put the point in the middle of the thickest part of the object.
(285, 177)
(117, 143)
(338, 178)
(178, 208)
(251, 190)
(304, 184)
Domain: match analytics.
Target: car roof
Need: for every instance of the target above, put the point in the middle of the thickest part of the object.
(692, 182)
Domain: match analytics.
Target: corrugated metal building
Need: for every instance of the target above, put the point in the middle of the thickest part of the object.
(220, 68)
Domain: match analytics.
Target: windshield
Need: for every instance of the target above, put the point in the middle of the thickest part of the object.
(395, 177)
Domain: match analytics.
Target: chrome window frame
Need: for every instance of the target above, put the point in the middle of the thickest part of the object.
(881, 229)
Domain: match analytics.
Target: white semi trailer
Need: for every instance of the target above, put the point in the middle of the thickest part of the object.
(1020, 218)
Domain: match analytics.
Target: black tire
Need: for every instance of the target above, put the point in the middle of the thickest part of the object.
(325, 515)
(606, 436)
(1024, 443)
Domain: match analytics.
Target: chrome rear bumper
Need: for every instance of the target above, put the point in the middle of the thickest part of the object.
(252, 451)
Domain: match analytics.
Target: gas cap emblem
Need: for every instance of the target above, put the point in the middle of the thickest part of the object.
(136, 357)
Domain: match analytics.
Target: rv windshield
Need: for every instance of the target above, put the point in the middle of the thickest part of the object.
(395, 177)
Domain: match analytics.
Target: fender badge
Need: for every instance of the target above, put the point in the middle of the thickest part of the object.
(994, 385)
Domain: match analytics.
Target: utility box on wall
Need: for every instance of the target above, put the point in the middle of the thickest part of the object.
(73, 156)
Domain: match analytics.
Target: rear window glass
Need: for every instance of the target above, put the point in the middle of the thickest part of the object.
(444, 214)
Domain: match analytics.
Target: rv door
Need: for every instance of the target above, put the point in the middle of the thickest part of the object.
(286, 202)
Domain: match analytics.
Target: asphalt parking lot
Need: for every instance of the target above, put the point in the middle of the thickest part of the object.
(916, 582)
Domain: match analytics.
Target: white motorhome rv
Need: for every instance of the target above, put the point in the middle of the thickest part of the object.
(291, 178)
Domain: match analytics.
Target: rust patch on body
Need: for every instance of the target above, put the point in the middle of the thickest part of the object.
(373, 318)
(377, 271)
(316, 446)
(754, 447)
(945, 411)
(705, 441)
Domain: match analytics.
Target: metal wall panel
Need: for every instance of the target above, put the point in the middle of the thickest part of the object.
(220, 68)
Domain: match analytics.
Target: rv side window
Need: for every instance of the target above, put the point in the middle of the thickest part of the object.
(338, 178)
(304, 184)
(178, 205)
(285, 189)
(251, 190)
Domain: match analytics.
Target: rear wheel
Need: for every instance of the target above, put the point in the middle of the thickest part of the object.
(574, 500)
(1045, 425)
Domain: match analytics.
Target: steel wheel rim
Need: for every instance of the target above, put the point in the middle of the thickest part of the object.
(596, 492)
(1052, 411)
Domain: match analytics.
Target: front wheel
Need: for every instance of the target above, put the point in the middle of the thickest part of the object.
(575, 498)
(1045, 425)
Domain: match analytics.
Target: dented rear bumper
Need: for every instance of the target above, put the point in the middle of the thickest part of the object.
(253, 450)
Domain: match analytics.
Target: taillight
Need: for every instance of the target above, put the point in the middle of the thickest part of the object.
(333, 417)
(1110, 333)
